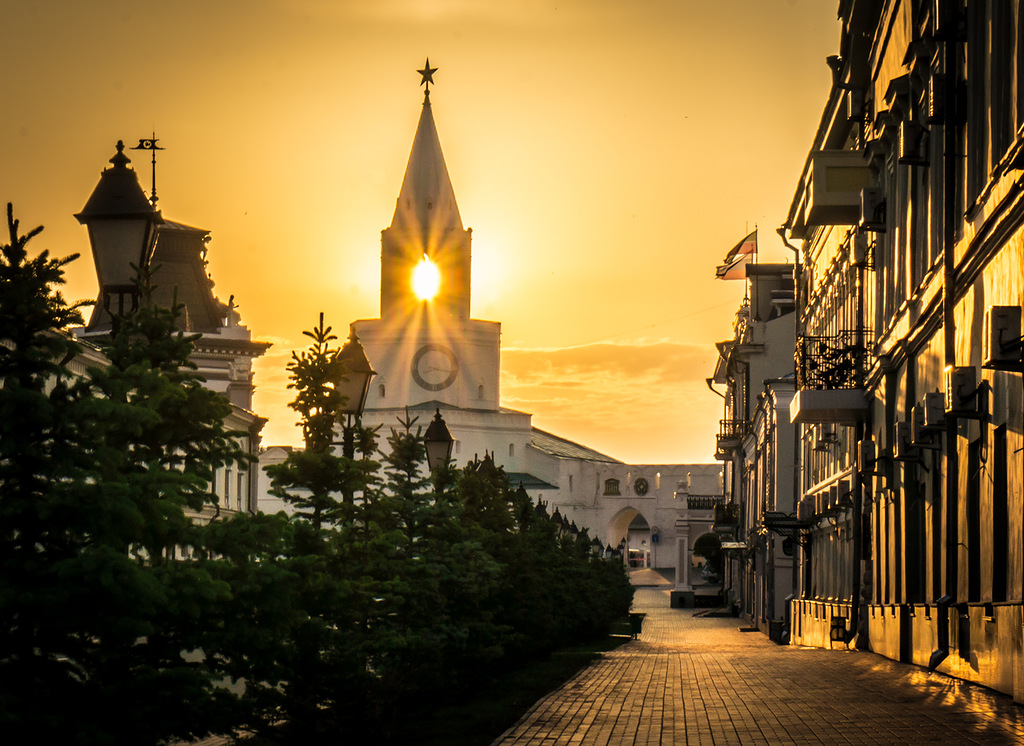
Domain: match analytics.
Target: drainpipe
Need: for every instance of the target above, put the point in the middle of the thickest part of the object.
(949, 36)
(856, 532)
(799, 550)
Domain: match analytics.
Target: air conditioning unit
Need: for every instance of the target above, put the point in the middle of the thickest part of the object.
(805, 509)
(911, 144)
(961, 389)
(902, 444)
(934, 406)
(872, 209)
(854, 104)
(860, 250)
(1001, 339)
(920, 435)
(867, 454)
(845, 493)
(825, 436)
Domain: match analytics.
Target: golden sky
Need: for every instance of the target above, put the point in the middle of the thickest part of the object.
(606, 153)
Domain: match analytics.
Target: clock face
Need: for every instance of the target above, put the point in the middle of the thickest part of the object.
(434, 367)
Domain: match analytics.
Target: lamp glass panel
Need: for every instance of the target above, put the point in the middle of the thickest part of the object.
(116, 245)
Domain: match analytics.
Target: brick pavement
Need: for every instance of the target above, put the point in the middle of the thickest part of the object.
(700, 680)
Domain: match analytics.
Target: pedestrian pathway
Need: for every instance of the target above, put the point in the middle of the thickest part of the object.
(701, 680)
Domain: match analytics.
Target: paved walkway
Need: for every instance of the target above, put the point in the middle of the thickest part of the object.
(700, 680)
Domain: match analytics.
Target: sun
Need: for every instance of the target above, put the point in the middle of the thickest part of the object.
(426, 279)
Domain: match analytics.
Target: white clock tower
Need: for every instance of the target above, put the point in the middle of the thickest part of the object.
(428, 352)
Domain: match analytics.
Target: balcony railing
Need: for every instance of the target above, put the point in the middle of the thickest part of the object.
(730, 436)
(704, 502)
(727, 518)
(830, 363)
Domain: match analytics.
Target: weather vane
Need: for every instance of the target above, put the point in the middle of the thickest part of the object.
(428, 76)
(150, 144)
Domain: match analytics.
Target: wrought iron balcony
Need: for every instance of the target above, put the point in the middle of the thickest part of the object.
(730, 436)
(727, 518)
(830, 363)
(704, 502)
(831, 373)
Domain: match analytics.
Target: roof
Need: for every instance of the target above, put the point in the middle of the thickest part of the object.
(118, 194)
(180, 275)
(528, 481)
(446, 406)
(556, 446)
(427, 198)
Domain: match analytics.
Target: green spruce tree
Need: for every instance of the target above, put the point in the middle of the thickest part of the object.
(100, 472)
(325, 677)
(41, 523)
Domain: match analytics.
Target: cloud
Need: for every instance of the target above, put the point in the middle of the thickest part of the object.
(642, 402)
(647, 402)
(654, 363)
(525, 13)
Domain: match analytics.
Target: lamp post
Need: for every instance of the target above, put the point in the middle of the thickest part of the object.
(439, 442)
(353, 382)
(122, 227)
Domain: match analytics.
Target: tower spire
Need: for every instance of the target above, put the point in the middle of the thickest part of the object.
(426, 223)
(426, 202)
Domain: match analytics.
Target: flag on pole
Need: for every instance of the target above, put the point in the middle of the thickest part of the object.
(735, 265)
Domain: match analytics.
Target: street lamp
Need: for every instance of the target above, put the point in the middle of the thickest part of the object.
(122, 227)
(353, 384)
(352, 381)
(439, 442)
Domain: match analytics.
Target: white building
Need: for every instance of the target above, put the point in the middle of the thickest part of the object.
(123, 226)
(431, 355)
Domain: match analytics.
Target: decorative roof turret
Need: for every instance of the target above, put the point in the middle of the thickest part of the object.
(118, 193)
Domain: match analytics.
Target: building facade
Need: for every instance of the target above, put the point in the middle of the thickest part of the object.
(756, 445)
(910, 218)
(122, 222)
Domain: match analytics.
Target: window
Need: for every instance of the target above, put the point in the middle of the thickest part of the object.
(382, 391)
(611, 487)
(1000, 515)
(974, 465)
(915, 539)
(511, 449)
(977, 100)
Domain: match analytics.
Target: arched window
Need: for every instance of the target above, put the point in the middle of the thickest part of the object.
(511, 449)
(480, 391)
(611, 487)
(381, 390)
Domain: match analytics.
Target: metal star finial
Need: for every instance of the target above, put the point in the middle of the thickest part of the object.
(428, 75)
